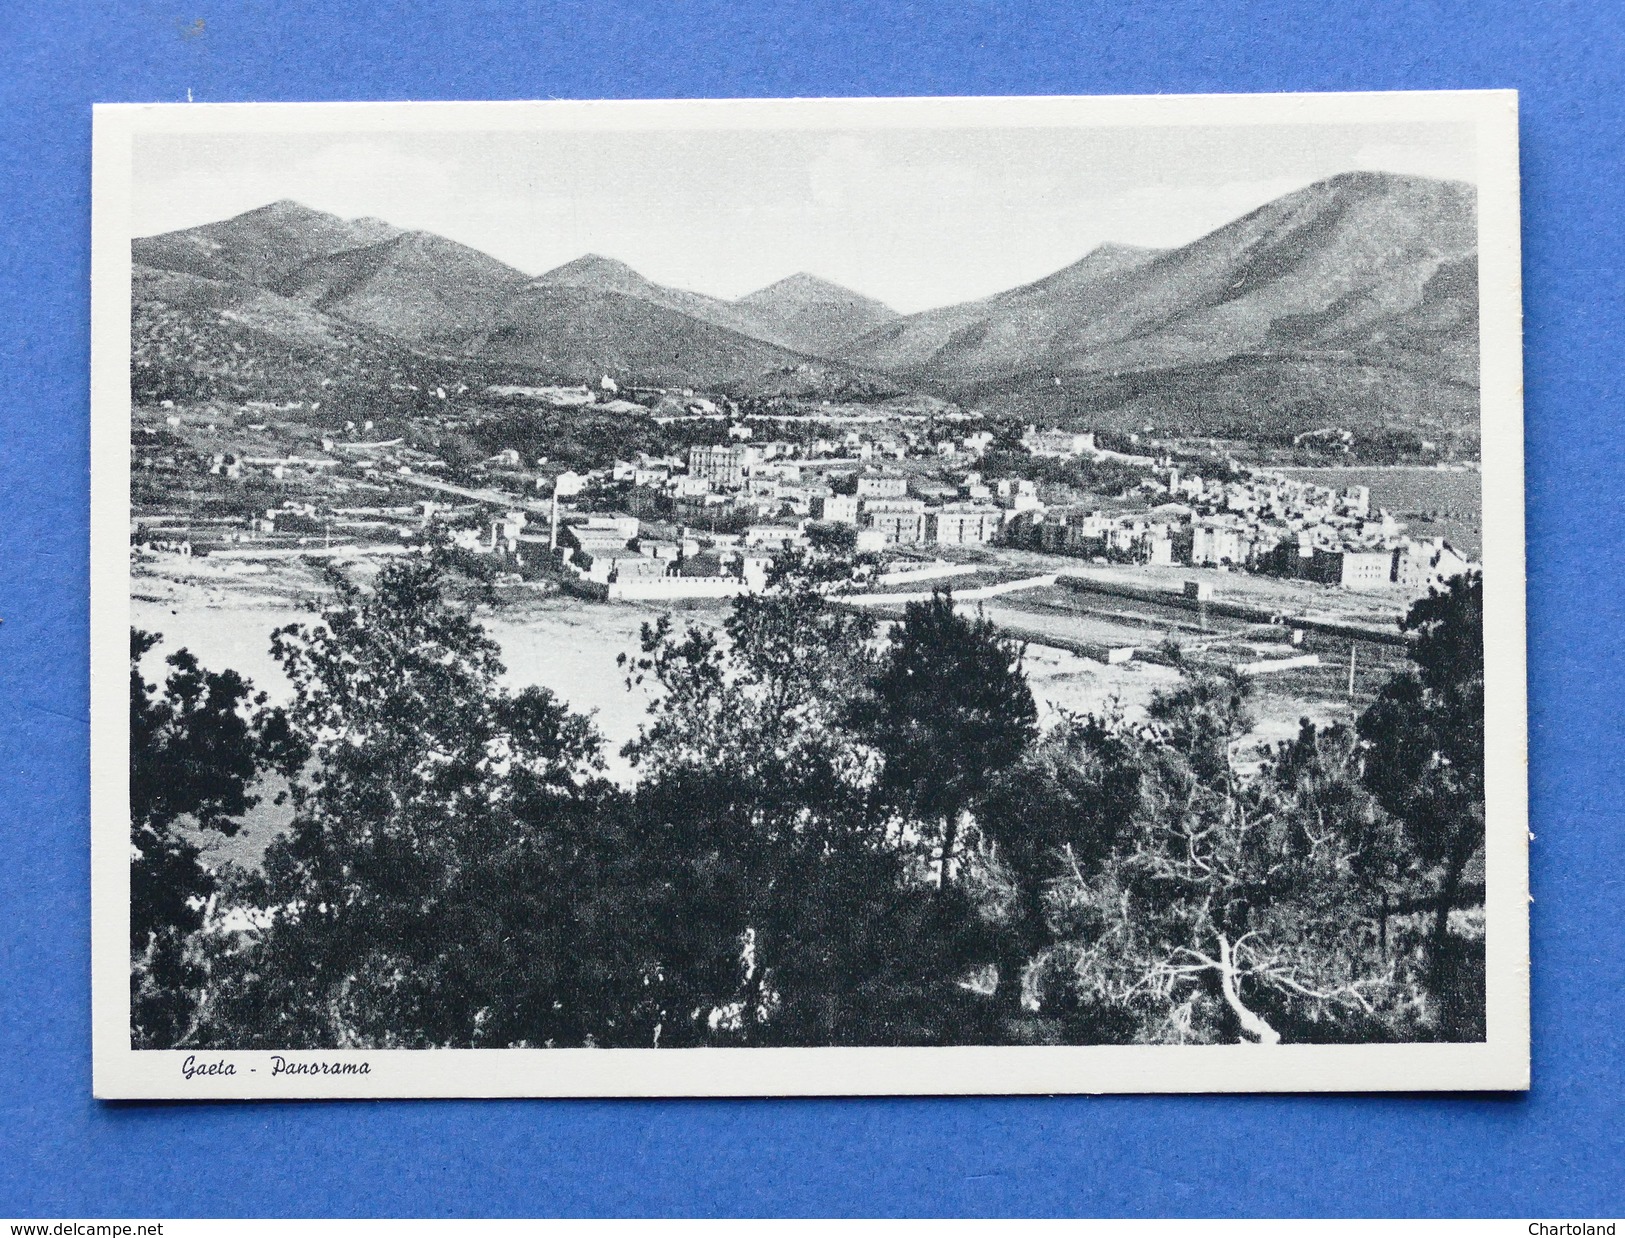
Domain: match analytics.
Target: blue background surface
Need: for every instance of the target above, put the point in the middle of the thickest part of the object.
(1558, 1151)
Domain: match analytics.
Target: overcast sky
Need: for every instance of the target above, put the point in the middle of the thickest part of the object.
(917, 218)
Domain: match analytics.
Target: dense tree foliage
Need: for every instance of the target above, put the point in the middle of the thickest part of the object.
(198, 745)
(949, 708)
(1224, 908)
(1425, 763)
(1084, 474)
(792, 913)
(443, 826)
(837, 833)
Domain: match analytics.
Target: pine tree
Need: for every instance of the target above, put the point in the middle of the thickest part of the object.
(1425, 733)
(949, 708)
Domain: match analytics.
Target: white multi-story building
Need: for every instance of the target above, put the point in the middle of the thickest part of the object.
(882, 486)
(839, 508)
(723, 467)
(1426, 564)
(902, 521)
(1217, 541)
(964, 524)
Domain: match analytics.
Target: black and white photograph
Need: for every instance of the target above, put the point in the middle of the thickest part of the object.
(808, 597)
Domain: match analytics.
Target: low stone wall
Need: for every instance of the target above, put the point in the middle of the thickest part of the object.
(674, 588)
(959, 595)
(1235, 610)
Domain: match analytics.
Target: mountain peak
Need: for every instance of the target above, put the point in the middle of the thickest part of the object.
(260, 246)
(800, 287)
(592, 270)
(811, 314)
(323, 230)
(1396, 194)
(426, 242)
(1370, 178)
(284, 209)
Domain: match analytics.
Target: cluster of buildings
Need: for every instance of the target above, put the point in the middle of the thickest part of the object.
(1256, 521)
(724, 508)
(618, 556)
(736, 484)
(617, 551)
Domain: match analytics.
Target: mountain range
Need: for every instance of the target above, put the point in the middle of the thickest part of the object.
(1354, 295)
(1354, 298)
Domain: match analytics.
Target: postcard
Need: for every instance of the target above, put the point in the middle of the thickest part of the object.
(791, 597)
